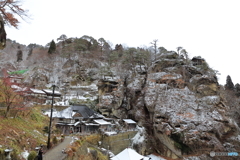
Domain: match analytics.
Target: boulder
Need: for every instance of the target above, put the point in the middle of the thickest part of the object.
(159, 65)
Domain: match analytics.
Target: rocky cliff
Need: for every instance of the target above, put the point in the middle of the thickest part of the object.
(179, 103)
(177, 100)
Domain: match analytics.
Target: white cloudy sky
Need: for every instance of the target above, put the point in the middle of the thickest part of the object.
(209, 28)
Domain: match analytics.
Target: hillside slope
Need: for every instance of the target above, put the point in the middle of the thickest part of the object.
(23, 133)
(176, 99)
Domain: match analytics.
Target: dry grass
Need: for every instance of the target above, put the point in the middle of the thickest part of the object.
(24, 131)
(93, 139)
(79, 149)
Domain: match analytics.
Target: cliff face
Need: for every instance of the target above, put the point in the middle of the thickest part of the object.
(178, 101)
(180, 105)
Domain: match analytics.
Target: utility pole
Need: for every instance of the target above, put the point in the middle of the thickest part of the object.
(50, 123)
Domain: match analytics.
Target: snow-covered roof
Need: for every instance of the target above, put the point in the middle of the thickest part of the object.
(92, 87)
(51, 92)
(91, 124)
(75, 124)
(48, 113)
(15, 87)
(108, 118)
(110, 133)
(69, 112)
(15, 77)
(37, 91)
(97, 115)
(18, 89)
(129, 121)
(66, 113)
(102, 122)
(128, 154)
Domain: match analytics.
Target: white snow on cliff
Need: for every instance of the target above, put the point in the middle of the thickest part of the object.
(154, 157)
(140, 136)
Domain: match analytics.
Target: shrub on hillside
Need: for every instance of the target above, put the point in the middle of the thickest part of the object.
(78, 143)
(32, 155)
(74, 149)
(54, 141)
(2, 153)
(45, 130)
(14, 154)
(93, 139)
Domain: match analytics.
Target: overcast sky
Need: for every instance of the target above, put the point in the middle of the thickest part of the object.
(206, 28)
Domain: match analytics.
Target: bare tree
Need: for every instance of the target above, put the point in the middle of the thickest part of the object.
(9, 98)
(62, 39)
(104, 46)
(184, 53)
(179, 49)
(9, 10)
(154, 45)
(3, 34)
(19, 54)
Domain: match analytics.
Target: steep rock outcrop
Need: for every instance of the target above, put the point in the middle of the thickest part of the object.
(111, 98)
(204, 85)
(177, 102)
(180, 106)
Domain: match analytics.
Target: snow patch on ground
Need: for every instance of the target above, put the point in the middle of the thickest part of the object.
(134, 84)
(192, 158)
(211, 100)
(25, 154)
(62, 103)
(154, 157)
(237, 138)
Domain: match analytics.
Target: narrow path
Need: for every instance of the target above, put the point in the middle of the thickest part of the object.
(56, 152)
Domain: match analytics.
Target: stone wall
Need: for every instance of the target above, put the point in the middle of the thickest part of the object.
(119, 142)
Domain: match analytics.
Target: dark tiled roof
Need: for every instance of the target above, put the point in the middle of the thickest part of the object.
(83, 110)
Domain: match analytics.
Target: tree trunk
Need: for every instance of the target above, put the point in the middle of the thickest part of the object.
(16, 114)
(7, 111)
(2, 34)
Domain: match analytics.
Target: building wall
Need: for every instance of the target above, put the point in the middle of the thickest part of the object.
(117, 143)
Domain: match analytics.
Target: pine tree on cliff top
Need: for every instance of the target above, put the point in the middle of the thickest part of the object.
(229, 84)
(52, 47)
(237, 89)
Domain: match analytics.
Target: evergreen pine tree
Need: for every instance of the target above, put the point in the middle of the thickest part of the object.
(52, 47)
(229, 84)
(19, 54)
(237, 89)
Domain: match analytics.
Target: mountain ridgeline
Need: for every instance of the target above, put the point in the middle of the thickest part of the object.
(176, 99)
